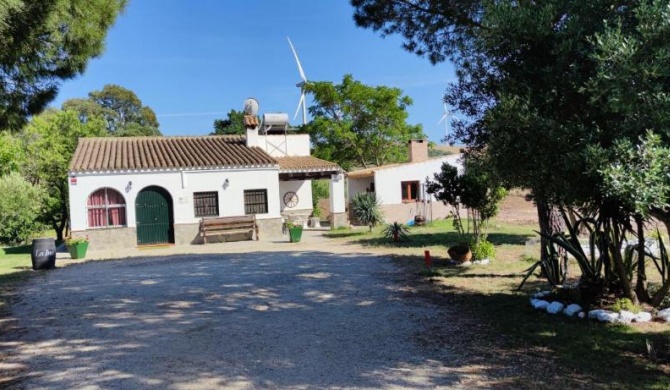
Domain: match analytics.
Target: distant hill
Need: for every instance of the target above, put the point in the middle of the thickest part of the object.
(443, 150)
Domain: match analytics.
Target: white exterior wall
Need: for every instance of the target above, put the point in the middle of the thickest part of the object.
(387, 181)
(359, 185)
(181, 187)
(281, 146)
(303, 188)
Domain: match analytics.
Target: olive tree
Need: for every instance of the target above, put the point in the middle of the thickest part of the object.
(20, 209)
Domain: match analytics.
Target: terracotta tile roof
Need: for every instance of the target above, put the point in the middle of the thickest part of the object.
(305, 164)
(251, 121)
(369, 172)
(133, 153)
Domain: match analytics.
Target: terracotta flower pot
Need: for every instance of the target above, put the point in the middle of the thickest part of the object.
(460, 253)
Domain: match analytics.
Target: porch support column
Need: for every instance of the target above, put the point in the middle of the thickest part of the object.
(338, 214)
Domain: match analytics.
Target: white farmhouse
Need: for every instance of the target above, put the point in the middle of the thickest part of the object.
(127, 192)
(401, 187)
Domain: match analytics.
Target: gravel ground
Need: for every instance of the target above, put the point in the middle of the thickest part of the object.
(247, 320)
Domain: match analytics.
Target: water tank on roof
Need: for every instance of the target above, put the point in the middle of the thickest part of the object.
(279, 119)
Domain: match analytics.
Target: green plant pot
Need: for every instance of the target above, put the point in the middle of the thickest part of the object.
(78, 251)
(295, 234)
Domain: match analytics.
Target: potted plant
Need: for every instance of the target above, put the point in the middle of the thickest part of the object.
(294, 231)
(77, 246)
(397, 231)
(420, 220)
(315, 219)
(479, 192)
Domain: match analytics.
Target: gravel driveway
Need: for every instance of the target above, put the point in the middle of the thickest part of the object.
(248, 320)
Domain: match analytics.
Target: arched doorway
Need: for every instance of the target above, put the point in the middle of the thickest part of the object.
(154, 216)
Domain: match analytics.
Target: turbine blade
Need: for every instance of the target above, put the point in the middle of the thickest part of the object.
(301, 104)
(443, 118)
(297, 60)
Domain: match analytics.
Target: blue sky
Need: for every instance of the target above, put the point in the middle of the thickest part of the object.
(193, 61)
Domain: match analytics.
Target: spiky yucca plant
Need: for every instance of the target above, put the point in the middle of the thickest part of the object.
(397, 231)
(366, 209)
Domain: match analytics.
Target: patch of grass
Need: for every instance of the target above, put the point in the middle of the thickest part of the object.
(439, 233)
(14, 266)
(345, 233)
(15, 259)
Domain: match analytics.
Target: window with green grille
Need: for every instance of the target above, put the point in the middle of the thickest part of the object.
(206, 204)
(255, 201)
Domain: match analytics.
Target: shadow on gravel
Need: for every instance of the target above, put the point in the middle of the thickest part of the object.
(256, 320)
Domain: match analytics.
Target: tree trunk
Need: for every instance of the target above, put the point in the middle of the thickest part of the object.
(551, 222)
(660, 294)
(60, 224)
(615, 250)
(59, 227)
(662, 215)
(641, 285)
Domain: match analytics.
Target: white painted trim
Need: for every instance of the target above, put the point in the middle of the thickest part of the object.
(182, 169)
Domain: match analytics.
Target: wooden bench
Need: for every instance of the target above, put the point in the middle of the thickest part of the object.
(224, 225)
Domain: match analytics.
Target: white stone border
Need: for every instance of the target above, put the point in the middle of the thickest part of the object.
(574, 310)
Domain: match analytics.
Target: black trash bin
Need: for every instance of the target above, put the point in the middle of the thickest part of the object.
(43, 255)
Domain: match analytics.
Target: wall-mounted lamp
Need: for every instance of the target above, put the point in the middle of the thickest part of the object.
(129, 186)
(226, 183)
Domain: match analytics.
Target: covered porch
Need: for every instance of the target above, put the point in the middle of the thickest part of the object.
(296, 174)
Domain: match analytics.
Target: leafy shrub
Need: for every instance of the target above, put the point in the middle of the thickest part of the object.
(483, 250)
(366, 209)
(396, 230)
(320, 190)
(625, 304)
(477, 190)
(70, 241)
(20, 209)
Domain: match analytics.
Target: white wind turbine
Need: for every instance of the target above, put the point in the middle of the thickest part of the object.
(301, 85)
(445, 118)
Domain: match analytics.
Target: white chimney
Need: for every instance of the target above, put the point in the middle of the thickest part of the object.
(252, 124)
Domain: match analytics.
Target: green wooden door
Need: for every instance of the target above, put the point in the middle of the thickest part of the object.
(153, 214)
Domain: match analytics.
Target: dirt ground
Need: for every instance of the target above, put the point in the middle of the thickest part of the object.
(267, 319)
(516, 209)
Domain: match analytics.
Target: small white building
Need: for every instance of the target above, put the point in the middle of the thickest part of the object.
(401, 187)
(133, 191)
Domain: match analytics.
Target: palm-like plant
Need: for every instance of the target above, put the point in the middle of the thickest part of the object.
(397, 231)
(366, 209)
